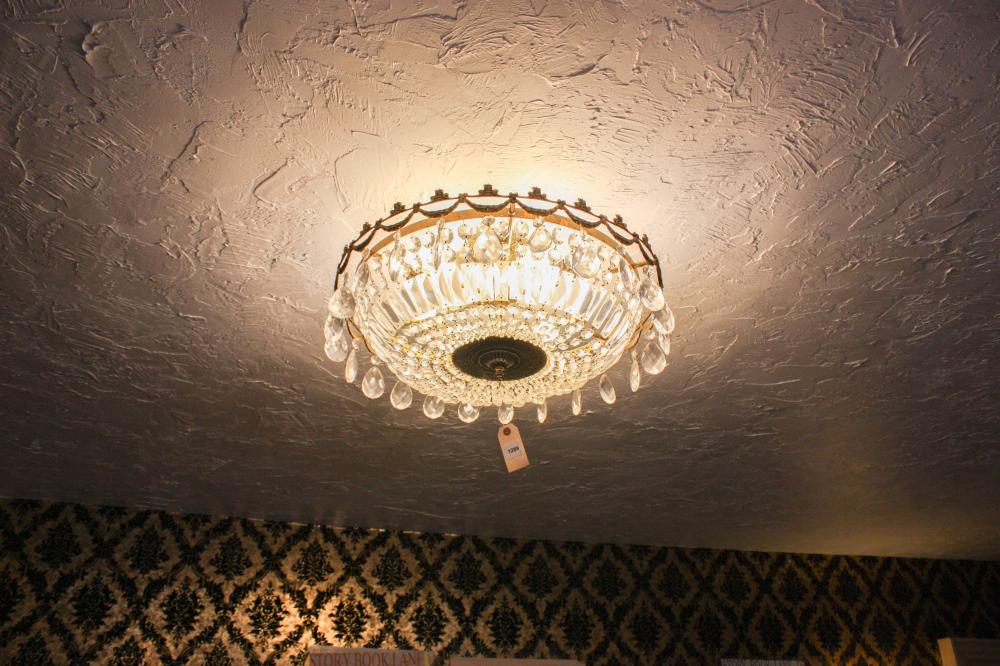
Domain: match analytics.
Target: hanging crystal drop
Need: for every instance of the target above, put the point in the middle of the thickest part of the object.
(664, 320)
(337, 348)
(627, 274)
(334, 329)
(607, 390)
(474, 244)
(442, 252)
(433, 407)
(401, 396)
(375, 273)
(494, 248)
(540, 240)
(557, 255)
(396, 258)
(443, 234)
(502, 228)
(359, 280)
(652, 358)
(520, 229)
(505, 414)
(634, 374)
(487, 247)
(373, 384)
(663, 341)
(351, 367)
(586, 262)
(543, 411)
(468, 412)
(412, 264)
(651, 295)
(342, 304)
(577, 402)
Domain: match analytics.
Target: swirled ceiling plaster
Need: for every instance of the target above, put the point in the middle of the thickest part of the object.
(820, 176)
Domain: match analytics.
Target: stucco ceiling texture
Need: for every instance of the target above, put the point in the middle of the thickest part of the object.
(819, 177)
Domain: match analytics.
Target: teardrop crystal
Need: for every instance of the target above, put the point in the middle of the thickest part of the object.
(627, 274)
(397, 257)
(577, 402)
(607, 390)
(342, 304)
(351, 367)
(443, 234)
(505, 414)
(652, 358)
(540, 240)
(634, 374)
(501, 228)
(487, 247)
(337, 349)
(468, 412)
(664, 342)
(401, 396)
(334, 329)
(395, 266)
(359, 280)
(651, 295)
(557, 255)
(373, 384)
(586, 261)
(433, 407)
(412, 264)
(443, 255)
(664, 320)
(543, 411)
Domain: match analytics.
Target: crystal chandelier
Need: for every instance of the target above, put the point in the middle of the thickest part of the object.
(496, 300)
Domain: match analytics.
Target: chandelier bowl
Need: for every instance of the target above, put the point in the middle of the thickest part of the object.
(492, 300)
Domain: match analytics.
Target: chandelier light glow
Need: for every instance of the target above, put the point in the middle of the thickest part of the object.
(496, 300)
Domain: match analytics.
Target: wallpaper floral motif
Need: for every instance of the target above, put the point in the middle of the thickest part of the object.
(85, 585)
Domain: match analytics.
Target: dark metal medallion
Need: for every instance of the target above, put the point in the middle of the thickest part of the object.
(499, 359)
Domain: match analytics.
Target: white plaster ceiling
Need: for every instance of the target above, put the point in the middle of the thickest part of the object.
(820, 178)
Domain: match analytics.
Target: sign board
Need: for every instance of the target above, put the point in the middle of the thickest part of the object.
(482, 661)
(326, 655)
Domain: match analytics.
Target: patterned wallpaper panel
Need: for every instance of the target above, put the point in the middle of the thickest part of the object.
(82, 585)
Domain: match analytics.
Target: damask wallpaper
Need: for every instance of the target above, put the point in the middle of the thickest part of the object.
(83, 585)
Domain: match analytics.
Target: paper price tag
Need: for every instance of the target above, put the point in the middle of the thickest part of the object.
(514, 454)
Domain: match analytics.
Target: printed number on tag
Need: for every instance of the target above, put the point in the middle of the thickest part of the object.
(514, 454)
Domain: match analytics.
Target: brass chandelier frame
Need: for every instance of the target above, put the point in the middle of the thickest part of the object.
(443, 207)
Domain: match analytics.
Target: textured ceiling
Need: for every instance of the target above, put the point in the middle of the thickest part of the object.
(820, 177)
